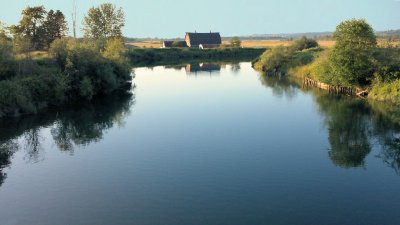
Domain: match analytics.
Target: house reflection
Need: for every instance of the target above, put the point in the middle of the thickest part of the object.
(202, 68)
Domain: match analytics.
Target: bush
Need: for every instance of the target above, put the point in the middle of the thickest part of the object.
(28, 94)
(304, 43)
(282, 59)
(388, 91)
(8, 66)
(59, 51)
(236, 42)
(115, 50)
(85, 63)
(273, 60)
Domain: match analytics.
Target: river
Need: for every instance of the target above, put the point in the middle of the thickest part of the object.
(202, 144)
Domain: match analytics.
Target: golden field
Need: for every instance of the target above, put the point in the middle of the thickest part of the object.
(255, 43)
(145, 44)
(274, 43)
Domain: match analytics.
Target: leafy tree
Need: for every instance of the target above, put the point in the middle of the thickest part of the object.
(236, 42)
(31, 25)
(55, 26)
(351, 58)
(103, 22)
(40, 27)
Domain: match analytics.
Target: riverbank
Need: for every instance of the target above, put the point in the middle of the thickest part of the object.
(71, 71)
(356, 64)
(314, 67)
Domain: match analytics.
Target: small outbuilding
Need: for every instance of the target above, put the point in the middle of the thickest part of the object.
(167, 44)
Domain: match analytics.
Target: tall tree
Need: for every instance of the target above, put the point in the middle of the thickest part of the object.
(31, 25)
(104, 21)
(351, 58)
(55, 26)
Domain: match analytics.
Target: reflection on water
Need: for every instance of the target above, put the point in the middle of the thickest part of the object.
(281, 86)
(78, 125)
(202, 68)
(354, 127)
(205, 68)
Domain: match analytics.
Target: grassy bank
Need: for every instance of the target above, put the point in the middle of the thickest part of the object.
(145, 57)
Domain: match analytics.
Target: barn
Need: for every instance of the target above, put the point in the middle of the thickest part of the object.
(203, 40)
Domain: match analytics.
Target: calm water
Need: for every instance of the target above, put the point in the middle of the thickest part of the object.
(204, 144)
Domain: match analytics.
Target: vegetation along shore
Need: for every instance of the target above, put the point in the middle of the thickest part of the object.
(356, 62)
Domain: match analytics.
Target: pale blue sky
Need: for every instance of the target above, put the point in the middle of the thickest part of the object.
(172, 18)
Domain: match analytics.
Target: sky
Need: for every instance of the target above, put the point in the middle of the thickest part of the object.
(172, 18)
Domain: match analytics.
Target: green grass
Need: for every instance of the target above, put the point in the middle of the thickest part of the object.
(388, 92)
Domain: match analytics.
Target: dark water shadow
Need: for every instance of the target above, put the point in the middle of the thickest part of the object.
(70, 126)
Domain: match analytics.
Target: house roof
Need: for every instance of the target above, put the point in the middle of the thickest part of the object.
(204, 38)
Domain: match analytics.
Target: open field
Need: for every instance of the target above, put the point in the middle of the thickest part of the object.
(145, 44)
(274, 43)
(255, 43)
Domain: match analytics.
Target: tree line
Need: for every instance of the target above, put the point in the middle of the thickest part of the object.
(38, 28)
(41, 66)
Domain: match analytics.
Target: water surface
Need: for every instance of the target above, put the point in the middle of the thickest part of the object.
(204, 144)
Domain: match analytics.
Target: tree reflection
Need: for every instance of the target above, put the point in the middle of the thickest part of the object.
(281, 86)
(88, 124)
(33, 144)
(387, 134)
(354, 125)
(77, 125)
(235, 67)
(7, 149)
(347, 120)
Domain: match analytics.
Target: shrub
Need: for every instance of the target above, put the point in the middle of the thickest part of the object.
(59, 51)
(7, 59)
(85, 63)
(28, 94)
(304, 43)
(236, 42)
(387, 91)
(115, 50)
